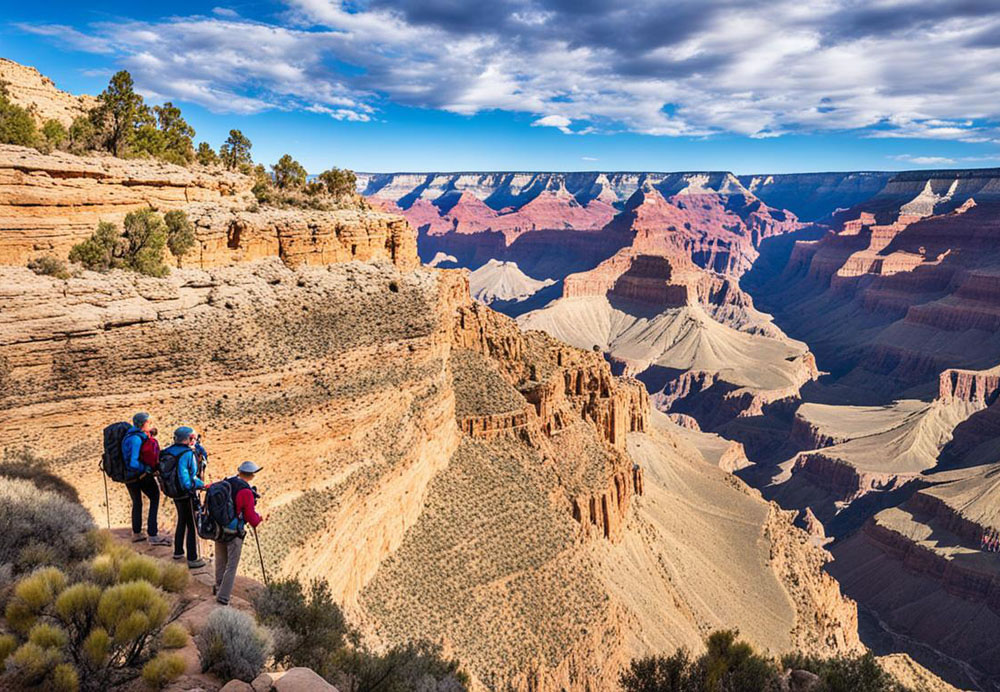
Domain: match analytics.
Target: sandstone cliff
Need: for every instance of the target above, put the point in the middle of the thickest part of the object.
(48, 203)
(36, 92)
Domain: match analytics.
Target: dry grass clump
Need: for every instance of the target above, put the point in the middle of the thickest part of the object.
(489, 565)
(480, 389)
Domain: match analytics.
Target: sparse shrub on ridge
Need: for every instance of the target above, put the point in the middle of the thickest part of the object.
(139, 247)
(288, 173)
(731, 665)
(40, 526)
(162, 670)
(206, 155)
(310, 630)
(16, 124)
(180, 233)
(232, 646)
(235, 151)
(55, 134)
(48, 265)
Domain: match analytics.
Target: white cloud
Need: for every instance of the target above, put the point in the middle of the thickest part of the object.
(589, 158)
(925, 160)
(924, 69)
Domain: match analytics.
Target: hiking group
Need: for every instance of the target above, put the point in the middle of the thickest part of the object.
(132, 456)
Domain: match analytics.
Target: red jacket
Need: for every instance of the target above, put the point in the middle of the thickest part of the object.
(246, 507)
(149, 453)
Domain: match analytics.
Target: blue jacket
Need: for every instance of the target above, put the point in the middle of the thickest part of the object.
(131, 444)
(187, 466)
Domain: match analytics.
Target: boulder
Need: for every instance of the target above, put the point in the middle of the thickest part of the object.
(302, 680)
(237, 686)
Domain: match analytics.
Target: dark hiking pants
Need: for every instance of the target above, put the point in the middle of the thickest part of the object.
(185, 529)
(136, 489)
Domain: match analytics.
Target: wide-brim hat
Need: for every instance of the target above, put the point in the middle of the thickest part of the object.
(249, 467)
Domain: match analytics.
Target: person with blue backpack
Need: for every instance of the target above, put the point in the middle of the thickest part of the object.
(179, 481)
(139, 481)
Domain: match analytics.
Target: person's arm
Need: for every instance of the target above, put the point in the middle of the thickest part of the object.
(131, 447)
(187, 467)
(247, 507)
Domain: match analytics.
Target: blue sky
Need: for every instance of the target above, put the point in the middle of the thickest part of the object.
(422, 85)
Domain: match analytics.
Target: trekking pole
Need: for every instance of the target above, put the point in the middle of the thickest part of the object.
(107, 502)
(194, 520)
(261, 556)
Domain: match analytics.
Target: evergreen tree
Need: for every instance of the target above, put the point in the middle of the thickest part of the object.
(339, 182)
(120, 113)
(236, 151)
(288, 173)
(206, 155)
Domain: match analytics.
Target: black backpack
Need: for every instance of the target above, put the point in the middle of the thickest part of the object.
(218, 514)
(168, 476)
(113, 461)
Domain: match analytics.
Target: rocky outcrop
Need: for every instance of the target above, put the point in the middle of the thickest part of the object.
(48, 203)
(30, 89)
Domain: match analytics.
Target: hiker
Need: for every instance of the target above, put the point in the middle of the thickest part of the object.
(139, 481)
(227, 553)
(179, 459)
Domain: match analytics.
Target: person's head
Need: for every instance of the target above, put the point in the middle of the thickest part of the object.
(142, 421)
(248, 470)
(184, 436)
(153, 432)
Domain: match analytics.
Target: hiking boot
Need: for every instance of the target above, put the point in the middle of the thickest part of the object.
(138, 537)
(221, 602)
(159, 540)
(179, 557)
(195, 564)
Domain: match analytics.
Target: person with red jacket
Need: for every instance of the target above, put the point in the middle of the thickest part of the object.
(227, 553)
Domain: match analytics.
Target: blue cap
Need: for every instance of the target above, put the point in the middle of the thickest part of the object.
(139, 419)
(182, 434)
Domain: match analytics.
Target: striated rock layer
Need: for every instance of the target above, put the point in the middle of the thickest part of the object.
(48, 203)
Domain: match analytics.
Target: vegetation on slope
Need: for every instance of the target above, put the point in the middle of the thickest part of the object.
(732, 665)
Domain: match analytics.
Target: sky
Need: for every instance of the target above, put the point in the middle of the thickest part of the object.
(550, 85)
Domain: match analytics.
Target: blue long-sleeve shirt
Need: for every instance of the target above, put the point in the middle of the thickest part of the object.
(187, 466)
(131, 444)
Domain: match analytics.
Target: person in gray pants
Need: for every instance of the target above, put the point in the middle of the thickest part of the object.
(227, 553)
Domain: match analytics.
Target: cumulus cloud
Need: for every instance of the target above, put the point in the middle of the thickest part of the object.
(925, 160)
(889, 68)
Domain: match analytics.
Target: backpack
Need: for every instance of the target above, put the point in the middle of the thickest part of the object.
(113, 460)
(168, 476)
(217, 520)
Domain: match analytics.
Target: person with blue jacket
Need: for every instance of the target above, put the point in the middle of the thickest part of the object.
(139, 481)
(183, 449)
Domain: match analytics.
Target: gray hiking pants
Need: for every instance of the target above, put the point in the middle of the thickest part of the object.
(227, 560)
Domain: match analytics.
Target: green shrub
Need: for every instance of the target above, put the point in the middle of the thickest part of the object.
(165, 135)
(31, 596)
(308, 630)
(16, 124)
(132, 612)
(65, 678)
(339, 182)
(162, 670)
(48, 636)
(232, 646)
(8, 644)
(206, 155)
(175, 636)
(139, 567)
(82, 135)
(98, 252)
(288, 173)
(180, 233)
(48, 265)
(40, 523)
(845, 673)
(31, 666)
(55, 134)
(138, 248)
(173, 577)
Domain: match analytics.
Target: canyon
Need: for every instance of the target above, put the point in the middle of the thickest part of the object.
(831, 337)
(702, 401)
